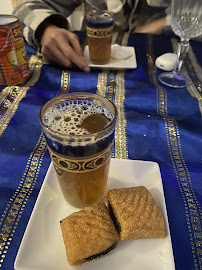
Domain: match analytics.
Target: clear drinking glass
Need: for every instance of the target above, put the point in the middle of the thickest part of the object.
(186, 22)
(99, 28)
(79, 130)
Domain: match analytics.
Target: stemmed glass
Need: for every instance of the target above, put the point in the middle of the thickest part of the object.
(186, 22)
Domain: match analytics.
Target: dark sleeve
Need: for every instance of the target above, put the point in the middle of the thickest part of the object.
(32, 14)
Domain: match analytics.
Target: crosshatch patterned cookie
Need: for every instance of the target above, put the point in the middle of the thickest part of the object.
(135, 213)
(88, 234)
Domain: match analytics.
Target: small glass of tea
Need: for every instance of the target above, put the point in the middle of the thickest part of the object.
(99, 27)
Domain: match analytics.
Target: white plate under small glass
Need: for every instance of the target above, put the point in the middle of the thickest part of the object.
(126, 63)
(42, 247)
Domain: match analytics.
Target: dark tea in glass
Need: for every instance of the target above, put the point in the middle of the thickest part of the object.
(99, 27)
(79, 130)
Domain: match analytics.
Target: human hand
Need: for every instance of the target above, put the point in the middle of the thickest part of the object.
(156, 27)
(62, 47)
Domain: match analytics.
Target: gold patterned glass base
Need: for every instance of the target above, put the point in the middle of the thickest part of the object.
(83, 181)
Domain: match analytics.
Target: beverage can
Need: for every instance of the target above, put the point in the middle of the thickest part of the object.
(14, 65)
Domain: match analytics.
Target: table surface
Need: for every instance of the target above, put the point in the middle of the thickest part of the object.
(155, 123)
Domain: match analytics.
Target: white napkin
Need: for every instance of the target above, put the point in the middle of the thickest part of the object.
(118, 52)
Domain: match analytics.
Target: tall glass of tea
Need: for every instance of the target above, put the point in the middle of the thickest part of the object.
(79, 130)
(99, 27)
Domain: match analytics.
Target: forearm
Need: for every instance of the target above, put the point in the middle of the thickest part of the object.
(156, 27)
(33, 14)
(159, 3)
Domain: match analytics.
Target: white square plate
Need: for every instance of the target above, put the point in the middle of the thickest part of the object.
(42, 247)
(126, 63)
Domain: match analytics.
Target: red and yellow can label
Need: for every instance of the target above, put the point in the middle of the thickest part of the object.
(13, 57)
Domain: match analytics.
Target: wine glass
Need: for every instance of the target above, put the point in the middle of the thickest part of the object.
(186, 22)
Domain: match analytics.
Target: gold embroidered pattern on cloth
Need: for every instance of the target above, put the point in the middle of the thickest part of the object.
(112, 86)
(192, 206)
(99, 33)
(80, 165)
(13, 211)
(65, 83)
(11, 96)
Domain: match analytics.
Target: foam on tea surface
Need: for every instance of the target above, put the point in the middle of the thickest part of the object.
(67, 117)
(98, 19)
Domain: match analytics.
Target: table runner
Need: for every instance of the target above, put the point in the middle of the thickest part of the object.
(155, 123)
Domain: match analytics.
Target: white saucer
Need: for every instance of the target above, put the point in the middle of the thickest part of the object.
(42, 247)
(127, 63)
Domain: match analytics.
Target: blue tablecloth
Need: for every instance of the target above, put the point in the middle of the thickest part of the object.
(155, 123)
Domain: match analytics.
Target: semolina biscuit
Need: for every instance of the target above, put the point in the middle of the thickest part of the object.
(88, 234)
(135, 213)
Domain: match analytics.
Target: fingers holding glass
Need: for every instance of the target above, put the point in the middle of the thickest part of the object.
(62, 47)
